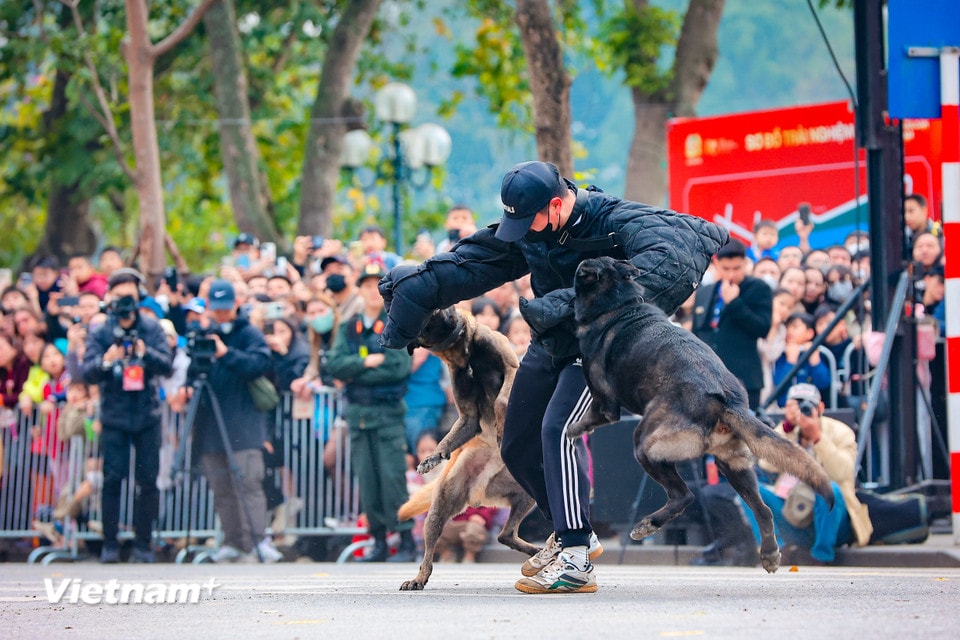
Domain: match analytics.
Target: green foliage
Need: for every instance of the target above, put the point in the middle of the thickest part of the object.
(496, 60)
(635, 42)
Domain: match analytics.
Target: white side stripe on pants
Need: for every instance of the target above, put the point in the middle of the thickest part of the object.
(568, 465)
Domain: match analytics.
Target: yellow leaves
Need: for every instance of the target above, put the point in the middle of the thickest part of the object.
(441, 29)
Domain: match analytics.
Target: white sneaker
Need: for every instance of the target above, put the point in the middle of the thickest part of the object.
(268, 551)
(225, 554)
(551, 549)
(560, 576)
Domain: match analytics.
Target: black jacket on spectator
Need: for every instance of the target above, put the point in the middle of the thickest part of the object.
(128, 410)
(247, 358)
(742, 321)
(291, 365)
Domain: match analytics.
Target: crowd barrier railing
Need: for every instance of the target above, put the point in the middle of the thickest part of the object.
(311, 473)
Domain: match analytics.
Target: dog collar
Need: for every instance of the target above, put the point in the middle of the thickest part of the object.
(449, 341)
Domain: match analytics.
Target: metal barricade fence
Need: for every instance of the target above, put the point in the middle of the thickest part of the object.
(320, 494)
(19, 468)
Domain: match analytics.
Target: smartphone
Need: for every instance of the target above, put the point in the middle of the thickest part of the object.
(268, 327)
(273, 310)
(26, 279)
(227, 262)
(170, 276)
(243, 261)
(356, 249)
(268, 251)
(804, 210)
(281, 266)
(316, 242)
(69, 301)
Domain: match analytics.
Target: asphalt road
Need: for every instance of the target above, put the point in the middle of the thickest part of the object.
(479, 601)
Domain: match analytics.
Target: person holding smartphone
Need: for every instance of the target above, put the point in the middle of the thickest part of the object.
(460, 224)
(44, 279)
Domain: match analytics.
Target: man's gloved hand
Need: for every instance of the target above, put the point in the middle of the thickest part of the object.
(547, 312)
(405, 318)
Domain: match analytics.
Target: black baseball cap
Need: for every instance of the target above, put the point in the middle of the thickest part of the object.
(338, 259)
(246, 238)
(526, 189)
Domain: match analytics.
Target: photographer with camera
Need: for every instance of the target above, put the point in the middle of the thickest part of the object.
(227, 355)
(126, 356)
(802, 518)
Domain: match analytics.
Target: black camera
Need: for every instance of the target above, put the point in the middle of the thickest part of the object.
(170, 277)
(125, 338)
(202, 351)
(122, 308)
(807, 408)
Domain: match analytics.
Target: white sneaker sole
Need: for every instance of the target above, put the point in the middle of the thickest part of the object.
(529, 570)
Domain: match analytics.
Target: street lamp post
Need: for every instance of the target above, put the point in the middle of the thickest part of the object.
(424, 147)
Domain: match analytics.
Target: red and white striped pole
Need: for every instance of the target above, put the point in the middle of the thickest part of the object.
(950, 115)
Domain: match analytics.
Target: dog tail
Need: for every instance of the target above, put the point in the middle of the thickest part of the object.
(784, 455)
(418, 503)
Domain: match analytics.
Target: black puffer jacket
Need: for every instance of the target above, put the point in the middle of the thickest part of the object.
(671, 250)
(128, 410)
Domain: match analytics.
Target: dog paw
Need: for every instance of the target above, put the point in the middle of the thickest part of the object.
(771, 561)
(429, 463)
(580, 428)
(412, 585)
(643, 529)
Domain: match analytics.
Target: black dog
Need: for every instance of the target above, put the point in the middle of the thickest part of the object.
(691, 404)
(482, 367)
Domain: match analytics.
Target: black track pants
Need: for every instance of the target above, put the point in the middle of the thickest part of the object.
(549, 466)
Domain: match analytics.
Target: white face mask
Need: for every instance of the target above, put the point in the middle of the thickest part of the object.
(226, 328)
(856, 247)
(840, 291)
(772, 282)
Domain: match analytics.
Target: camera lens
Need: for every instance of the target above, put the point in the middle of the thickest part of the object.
(806, 408)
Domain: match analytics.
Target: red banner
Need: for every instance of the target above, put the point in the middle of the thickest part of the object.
(737, 169)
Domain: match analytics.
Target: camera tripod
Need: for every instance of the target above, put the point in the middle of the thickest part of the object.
(201, 386)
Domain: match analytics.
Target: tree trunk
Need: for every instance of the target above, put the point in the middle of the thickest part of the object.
(241, 157)
(549, 83)
(67, 230)
(646, 164)
(697, 52)
(321, 162)
(696, 55)
(146, 150)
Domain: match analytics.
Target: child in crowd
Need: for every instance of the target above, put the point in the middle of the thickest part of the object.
(766, 235)
(798, 338)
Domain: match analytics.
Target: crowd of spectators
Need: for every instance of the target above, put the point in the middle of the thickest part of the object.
(301, 301)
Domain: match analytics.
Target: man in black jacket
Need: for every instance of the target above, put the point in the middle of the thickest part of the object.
(731, 315)
(240, 355)
(549, 226)
(126, 356)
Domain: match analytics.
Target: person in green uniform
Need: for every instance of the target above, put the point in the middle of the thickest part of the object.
(375, 380)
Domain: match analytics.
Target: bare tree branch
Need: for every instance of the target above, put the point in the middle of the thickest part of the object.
(105, 116)
(182, 31)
